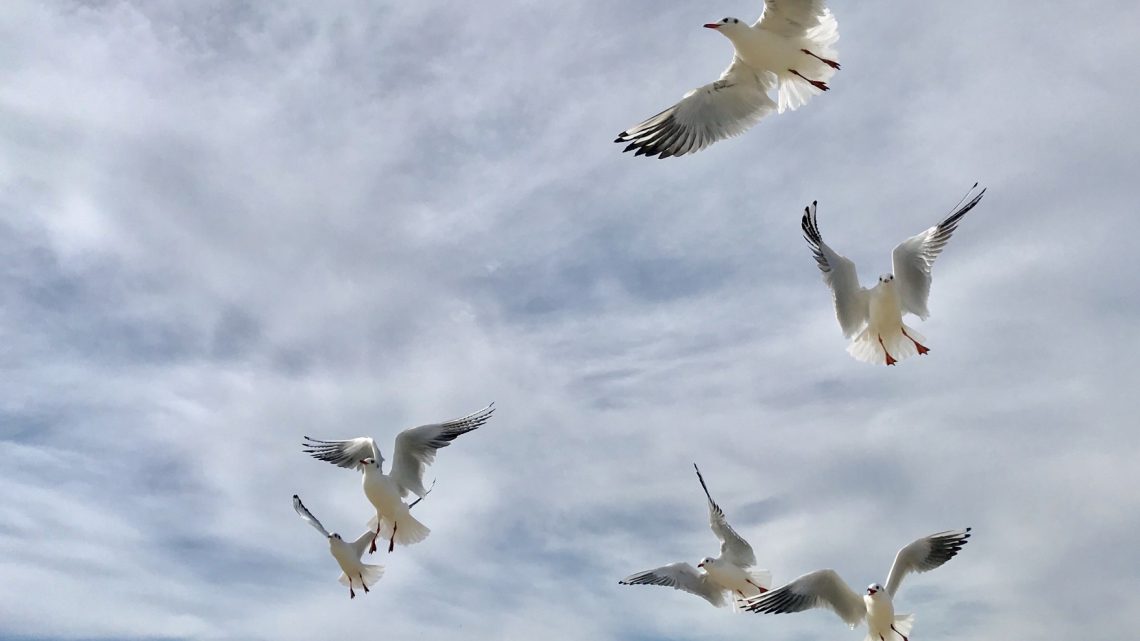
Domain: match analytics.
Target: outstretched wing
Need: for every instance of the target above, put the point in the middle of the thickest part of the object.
(733, 547)
(913, 258)
(851, 307)
(925, 554)
(360, 545)
(680, 576)
(308, 516)
(819, 589)
(347, 454)
(415, 448)
(718, 110)
(791, 18)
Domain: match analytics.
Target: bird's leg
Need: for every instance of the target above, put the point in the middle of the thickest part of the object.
(899, 633)
(351, 594)
(372, 547)
(890, 360)
(762, 590)
(362, 583)
(392, 541)
(922, 349)
(830, 63)
(818, 84)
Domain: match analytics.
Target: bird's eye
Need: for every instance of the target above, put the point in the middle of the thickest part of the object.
(735, 21)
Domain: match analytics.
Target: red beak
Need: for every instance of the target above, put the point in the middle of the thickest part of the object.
(712, 25)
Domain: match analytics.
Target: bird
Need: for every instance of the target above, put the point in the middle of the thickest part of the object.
(728, 574)
(791, 48)
(824, 589)
(347, 555)
(414, 450)
(874, 316)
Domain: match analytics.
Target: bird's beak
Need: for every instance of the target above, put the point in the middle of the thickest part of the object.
(712, 25)
(701, 564)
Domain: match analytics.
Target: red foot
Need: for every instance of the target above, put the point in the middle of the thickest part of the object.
(392, 541)
(818, 84)
(830, 63)
(363, 584)
(351, 594)
(922, 349)
(762, 590)
(890, 359)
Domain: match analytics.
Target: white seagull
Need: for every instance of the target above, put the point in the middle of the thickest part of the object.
(414, 450)
(791, 48)
(347, 555)
(728, 573)
(874, 316)
(824, 589)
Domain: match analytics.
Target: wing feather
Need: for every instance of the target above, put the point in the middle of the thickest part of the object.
(792, 18)
(416, 447)
(733, 547)
(680, 576)
(925, 554)
(851, 300)
(718, 110)
(913, 258)
(819, 589)
(362, 542)
(346, 454)
(308, 516)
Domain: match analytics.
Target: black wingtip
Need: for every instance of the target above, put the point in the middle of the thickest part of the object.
(296, 497)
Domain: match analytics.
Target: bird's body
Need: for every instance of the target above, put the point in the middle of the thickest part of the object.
(825, 589)
(873, 318)
(415, 449)
(393, 520)
(790, 49)
(354, 574)
(731, 573)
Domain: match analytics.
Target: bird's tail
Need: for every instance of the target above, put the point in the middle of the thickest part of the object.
(366, 578)
(820, 40)
(408, 529)
(894, 346)
(903, 624)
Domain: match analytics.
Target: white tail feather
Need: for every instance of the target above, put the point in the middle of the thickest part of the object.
(866, 347)
(408, 529)
(370, 573)
(820, 40)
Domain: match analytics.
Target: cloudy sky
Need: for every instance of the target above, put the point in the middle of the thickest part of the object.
(224, 226)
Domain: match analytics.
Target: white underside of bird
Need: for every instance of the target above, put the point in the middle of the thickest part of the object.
(825, 589)
(790, 49)
(414, 450)
(729, 575)
(873, 318)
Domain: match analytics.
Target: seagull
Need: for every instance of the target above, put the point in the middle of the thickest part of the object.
(347, 555)
(728, 573)
(414, 450)
(824, 589)
(874, 316)
(790, 48)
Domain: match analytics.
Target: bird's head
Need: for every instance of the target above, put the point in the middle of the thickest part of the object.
(368, 462)
(874, 589)
(335, 536)
(886, 278)
(708, 560)
(728, 26)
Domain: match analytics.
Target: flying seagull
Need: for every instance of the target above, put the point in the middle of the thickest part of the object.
(874, 316)
(354, 574)
(728, 573)
(414, 450)
(824, 589)
(791, 48)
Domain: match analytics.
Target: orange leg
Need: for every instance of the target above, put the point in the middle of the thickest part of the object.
(818, 84)
(890, 360)
(830, 63)
(922, 349)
